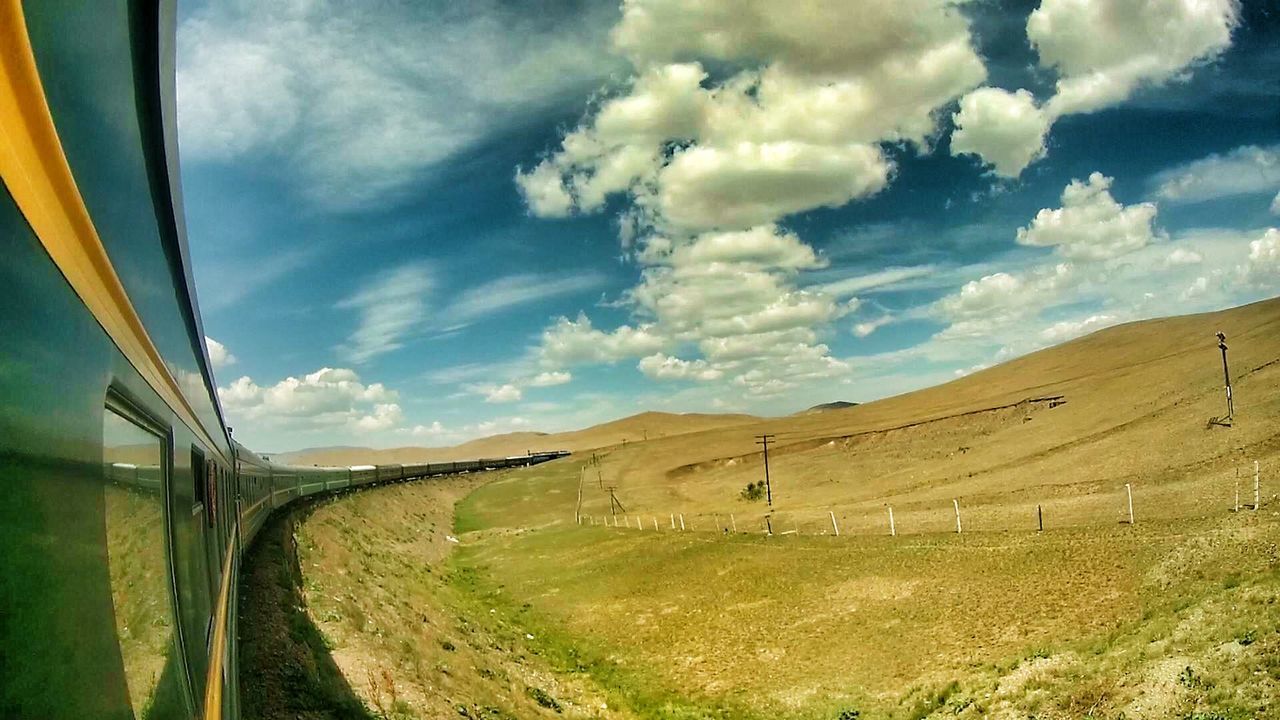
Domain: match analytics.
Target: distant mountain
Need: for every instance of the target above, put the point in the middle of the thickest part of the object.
(636, 428)
(824, 407)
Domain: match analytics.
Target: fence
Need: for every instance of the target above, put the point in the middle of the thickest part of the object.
(1092, 505)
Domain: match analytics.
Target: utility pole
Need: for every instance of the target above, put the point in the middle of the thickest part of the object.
(1226, 376)
(768, 489)
(614, 504)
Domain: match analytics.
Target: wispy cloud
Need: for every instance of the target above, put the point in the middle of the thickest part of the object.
(881, 279)
(362, 97)
(390, 306)
(240, 278)
(1245, 170)
(513, 290)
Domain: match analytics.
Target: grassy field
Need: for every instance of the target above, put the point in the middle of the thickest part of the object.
(404, 627)
(1174, 616)
(1063, 624)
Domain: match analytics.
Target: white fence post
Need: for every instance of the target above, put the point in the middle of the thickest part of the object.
(673, 521)
(682, 521)
(655, 523)
(1257, 486)
(1129, 491)
(893, 529)
(957, 504)
(733, 522)
(834, 526)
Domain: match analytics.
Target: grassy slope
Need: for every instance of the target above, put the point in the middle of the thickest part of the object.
(1093, 616)
(403, 626)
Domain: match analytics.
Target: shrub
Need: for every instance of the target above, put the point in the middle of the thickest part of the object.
(753, 491)
(543, 698)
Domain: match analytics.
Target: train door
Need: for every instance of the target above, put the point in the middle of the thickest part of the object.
(202, 471)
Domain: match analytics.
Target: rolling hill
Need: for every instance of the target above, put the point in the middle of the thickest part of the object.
(636, 428)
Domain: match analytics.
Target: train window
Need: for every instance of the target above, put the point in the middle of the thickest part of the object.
(211, 493)
(134, 496)
(198, 476)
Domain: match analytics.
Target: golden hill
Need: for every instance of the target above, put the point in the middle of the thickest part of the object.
(636, 428)
(1068, 425)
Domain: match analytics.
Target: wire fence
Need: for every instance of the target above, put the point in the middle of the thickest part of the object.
(1098, 504)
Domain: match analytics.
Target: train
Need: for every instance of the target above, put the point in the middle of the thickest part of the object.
(126, 503)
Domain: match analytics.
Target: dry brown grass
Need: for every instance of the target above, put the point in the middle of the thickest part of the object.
(636, 428)
(1092, 617)
(377, 586)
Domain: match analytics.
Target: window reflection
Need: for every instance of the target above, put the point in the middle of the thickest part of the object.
(139, 569)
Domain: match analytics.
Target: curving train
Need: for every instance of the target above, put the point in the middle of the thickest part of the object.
(126, 504)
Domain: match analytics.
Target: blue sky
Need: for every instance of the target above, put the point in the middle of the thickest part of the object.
(418, 223)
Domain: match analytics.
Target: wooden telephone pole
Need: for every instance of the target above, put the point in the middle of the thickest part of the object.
(768, 489)
(614, 504)
(1226, 377)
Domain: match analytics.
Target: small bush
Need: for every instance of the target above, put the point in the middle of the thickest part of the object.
(543, 698)
(848, 714)
(753, 491)
(1188, 678)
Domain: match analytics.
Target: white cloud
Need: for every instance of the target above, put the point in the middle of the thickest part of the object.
(1005, 129)
(1243, 171)
(961, 372)
(1275, 205)
(437, 433)
(328, 397)
(666, 367)
(863, 329)
(795, 128)
(1184, 256)
(384, 417)
(1103, 51)
(391, 305)
(1196, 289)
(515, 290)
(1262, 268)
(493, 427)
(880, 279)
(1005, 314)
(794, 119)
(1069, 329)
(732, 296)
(219, 356)
(550, 378)
(544, 192)
(360, 98)
(234, 278)
(434, 430)
(570, 342)
(492, 393)
(1091, 225)
(748, 184)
